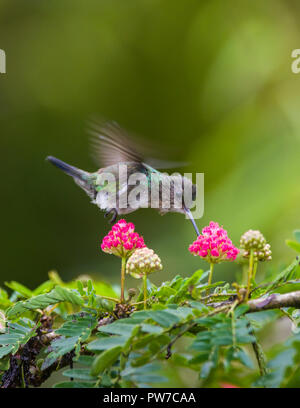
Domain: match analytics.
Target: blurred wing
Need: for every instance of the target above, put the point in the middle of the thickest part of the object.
(165, 164)
(111, 145)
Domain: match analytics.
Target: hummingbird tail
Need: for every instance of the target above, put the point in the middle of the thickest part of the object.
(67, 168)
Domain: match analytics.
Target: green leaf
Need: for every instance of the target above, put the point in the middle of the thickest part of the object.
(148, 378)
(55, 278)
(199, 306)
(287, 274)
(5, 350)
(43, 288)
(118, 328)
(90, 286)
(105, 360)
(244, 358)
(104, 289)
(199, 358)
(143, 342)
(278, 367)
(21, 289)
(85, 360)
(75, 330)
(293, 244)
(57, 295)
(105, 343)
(164, 318)
(4, 363)
(165, 292)
(60, 347)
(5, 302)
(15, 335)
(79, 374)
(297, 235)
(147, 368)
(78, 325)
(67, 295)
(185, 286)
(221, 340)
(142, 360)
(240, 310)
(151, 328)
(206, 369)
(261, 319)
(73, 384)
(80, 288)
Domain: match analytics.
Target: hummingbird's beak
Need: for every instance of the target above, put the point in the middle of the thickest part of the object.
(188, 212)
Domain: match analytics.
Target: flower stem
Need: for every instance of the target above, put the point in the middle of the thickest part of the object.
(122, 279)
(254, 269)
(250, 273)
(211, 269)
(110, 298)
(145, 291)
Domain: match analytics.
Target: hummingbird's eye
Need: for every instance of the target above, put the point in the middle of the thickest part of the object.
(194, 192)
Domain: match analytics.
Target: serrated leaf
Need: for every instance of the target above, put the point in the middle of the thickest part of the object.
(57, 295)
(78, 325)
(68, 296)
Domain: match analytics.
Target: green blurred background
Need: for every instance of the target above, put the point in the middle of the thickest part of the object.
(209, 80)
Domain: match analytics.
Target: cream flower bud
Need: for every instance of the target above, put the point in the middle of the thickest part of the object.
(142, 262)
(255, 241)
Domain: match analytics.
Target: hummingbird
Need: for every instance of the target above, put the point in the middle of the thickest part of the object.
(119, 158)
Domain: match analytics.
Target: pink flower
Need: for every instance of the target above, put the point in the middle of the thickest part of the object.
(228, 385)
(214, 245)
(122, 240)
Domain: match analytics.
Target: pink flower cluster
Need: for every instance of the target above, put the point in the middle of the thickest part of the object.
(214, 245)
(122, 240)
